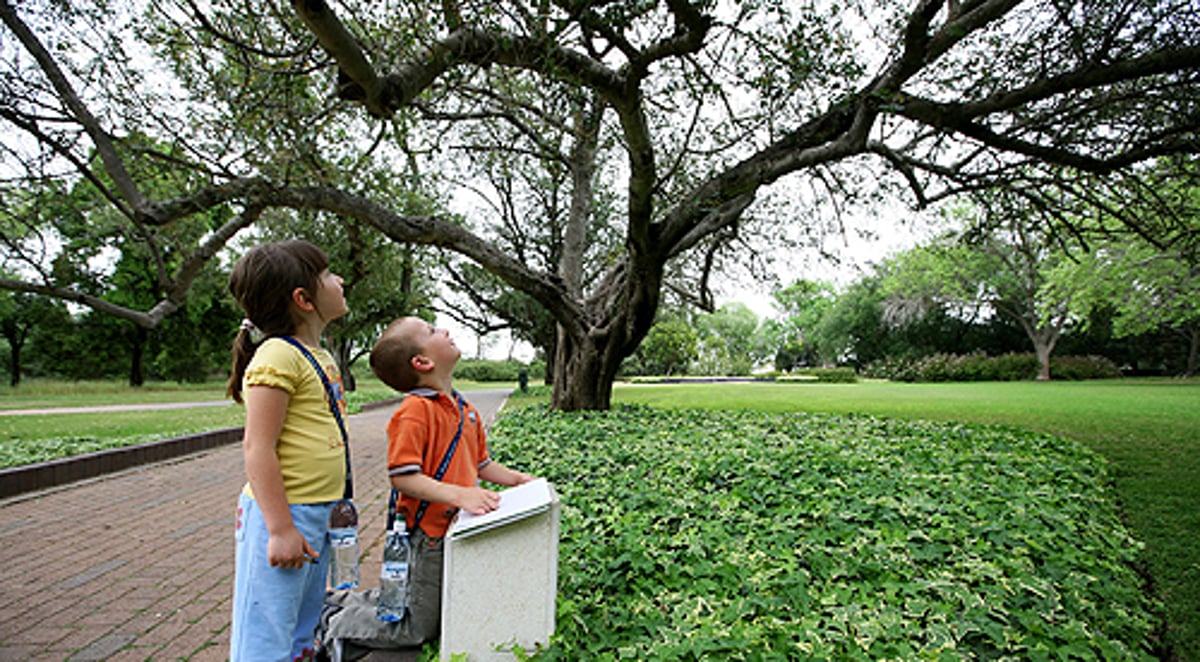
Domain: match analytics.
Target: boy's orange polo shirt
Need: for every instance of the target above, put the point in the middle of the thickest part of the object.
(419, 432)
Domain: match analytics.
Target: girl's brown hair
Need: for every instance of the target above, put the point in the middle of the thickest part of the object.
(262, 282)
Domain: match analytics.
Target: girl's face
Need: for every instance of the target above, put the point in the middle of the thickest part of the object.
(329, 300)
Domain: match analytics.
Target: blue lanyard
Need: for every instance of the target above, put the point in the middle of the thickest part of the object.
(441, 472)
(333, 398)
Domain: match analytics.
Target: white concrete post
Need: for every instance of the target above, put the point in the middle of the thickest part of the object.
(500, 582)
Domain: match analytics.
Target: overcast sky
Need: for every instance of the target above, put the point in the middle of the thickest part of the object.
(858, 254)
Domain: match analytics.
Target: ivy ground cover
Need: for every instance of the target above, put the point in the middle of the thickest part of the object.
(692, 534)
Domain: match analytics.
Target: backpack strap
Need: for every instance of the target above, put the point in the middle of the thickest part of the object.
(443, 466)
(332, 397)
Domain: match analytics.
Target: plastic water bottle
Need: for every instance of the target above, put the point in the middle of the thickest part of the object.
(393, 575)
(343, 538)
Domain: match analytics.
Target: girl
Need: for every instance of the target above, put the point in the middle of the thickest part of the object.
(293, 448)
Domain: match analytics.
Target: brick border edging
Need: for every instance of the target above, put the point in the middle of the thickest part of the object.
(15, 481)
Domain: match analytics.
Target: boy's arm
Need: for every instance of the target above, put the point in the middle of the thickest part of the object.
(494, 472)
(474, 500)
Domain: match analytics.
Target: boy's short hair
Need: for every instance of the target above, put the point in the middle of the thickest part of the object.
(391, 357)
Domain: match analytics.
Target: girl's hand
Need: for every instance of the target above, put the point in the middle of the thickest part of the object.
(289, 549)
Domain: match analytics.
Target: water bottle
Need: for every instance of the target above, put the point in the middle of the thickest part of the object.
(343, 539)
(393, 575)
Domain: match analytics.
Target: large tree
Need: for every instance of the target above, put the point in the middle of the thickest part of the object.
(1146, 289)
(996, 263)
(802, 306)
(688, 115)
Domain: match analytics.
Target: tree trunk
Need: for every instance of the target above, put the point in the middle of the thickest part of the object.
(1193, 350)
(138, 346)
(341, 354)
(14, 354)
(551, 359)
(583, 373)
(1043, 337)
(588, 359)
(15, 333)
(1042, 350)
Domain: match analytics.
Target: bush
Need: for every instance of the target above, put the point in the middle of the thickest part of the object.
(895, 368)
(1014, 367)
(480, 370)
(980, 367)
(1083, 367)
(828, 375)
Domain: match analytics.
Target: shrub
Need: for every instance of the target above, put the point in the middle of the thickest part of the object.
(1083, 367)
(895, 368)
(481, 370)
(829, 375)
(1014, 367)
(979, 367)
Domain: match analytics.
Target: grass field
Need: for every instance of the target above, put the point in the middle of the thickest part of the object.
(1148, 429)
(29, 438)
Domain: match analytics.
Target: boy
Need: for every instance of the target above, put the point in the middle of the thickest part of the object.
(415, 358)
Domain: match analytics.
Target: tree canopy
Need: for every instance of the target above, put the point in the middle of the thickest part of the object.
(676, 129)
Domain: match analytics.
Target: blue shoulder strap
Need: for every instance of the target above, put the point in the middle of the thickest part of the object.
(443, 466)
(348, 491)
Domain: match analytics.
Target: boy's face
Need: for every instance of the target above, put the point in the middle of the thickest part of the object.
(436, 343)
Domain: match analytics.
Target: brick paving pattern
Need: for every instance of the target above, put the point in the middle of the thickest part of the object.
(139, 565)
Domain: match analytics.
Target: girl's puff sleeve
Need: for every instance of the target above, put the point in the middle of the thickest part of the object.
(273, 365)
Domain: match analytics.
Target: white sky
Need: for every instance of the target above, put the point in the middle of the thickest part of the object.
(857, 254)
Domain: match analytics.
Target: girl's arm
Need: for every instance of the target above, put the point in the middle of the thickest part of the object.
(266, 408)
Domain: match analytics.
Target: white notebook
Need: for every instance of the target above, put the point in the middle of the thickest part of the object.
(515, 503)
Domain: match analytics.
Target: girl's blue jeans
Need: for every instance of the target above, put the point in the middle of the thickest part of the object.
(275, 610)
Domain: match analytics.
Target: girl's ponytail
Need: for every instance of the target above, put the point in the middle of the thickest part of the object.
(244, 344)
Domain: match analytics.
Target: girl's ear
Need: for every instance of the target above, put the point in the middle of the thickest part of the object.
(302, 300)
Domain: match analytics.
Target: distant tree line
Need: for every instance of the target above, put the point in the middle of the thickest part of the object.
(854, 329)
(997, 285)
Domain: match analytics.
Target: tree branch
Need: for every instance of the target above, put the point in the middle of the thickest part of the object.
(432, 231)
(138, 204)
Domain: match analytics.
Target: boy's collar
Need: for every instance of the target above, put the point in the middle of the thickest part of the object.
(432, 393)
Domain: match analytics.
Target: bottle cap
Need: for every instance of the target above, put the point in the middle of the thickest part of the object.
(344, 514)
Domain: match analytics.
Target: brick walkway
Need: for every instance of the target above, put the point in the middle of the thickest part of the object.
(139, 565)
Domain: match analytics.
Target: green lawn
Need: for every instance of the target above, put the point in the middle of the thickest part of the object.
(1148, 429)
(30, 438)
(44, 393)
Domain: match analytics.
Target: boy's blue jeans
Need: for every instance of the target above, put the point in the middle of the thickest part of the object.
(275, 610)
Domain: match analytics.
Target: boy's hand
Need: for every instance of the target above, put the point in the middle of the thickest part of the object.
(477, 501)
(521, 478)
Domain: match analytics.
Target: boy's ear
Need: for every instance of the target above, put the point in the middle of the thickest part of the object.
(421, 363)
